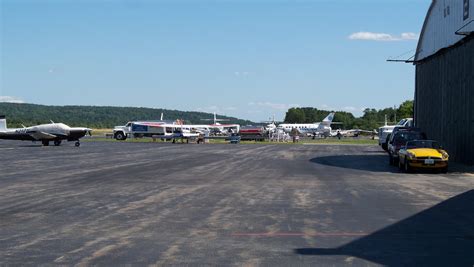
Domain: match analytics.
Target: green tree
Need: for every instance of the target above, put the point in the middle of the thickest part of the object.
(295, 115)
(405, 110)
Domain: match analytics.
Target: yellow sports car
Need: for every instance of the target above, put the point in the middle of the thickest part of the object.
(423, 154)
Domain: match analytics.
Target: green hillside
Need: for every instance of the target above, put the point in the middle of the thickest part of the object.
(97, 116)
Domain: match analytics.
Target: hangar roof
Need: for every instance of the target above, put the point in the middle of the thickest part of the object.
(447, 22)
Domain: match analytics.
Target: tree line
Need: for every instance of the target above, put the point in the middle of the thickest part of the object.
(371, 119)
(108, 117)
(98, 116)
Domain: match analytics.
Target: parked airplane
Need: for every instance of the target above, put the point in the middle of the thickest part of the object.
(271, 127)
(202, 128)
(318, 128)
(45, 133)
(216, 126)
(351, 132)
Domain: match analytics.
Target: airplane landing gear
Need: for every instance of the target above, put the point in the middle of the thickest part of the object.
(57, 142)
(77, 144)
(45, 142)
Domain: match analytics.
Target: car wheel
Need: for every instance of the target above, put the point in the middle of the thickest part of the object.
(407, 167)
(400, 165)
(386, 142)
(120, 136)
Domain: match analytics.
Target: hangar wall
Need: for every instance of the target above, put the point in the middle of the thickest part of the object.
(444, 99)
(443, 20)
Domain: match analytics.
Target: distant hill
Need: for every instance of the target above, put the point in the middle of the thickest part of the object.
(97, 116)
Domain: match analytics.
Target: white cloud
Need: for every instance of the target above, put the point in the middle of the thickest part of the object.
(241, 73)
(10, 99)
(383, 37)
(275, 106)
(409, 36)
(350, 109)
(327, 107)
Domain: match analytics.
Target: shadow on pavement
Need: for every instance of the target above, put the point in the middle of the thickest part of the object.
(365, 162)
(461, 168)
(442, 235)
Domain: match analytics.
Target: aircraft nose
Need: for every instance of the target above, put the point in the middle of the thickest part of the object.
(81, 131)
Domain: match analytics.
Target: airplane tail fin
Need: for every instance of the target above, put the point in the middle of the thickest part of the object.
(329, 118)
(3, 123)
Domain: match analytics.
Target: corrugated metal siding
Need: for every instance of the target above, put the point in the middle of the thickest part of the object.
(439, 29)
(444, 100)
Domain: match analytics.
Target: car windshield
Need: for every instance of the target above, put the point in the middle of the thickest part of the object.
(402, 122)
(423, 144)
(407, 136)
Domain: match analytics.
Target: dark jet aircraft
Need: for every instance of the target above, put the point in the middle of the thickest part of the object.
(45, 133)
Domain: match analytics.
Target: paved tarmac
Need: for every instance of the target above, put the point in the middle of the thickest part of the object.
(109, 203)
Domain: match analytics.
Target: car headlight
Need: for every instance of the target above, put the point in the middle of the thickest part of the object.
(445, 155)
(411, 155)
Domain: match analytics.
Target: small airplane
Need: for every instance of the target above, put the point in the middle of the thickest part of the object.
(216, 126)
(45, 133)
(319, 128)
(351, 132)
(271, 127)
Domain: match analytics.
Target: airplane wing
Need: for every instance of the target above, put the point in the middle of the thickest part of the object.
(365, 131)
(354, 131)
(224, 125)
(41, 135)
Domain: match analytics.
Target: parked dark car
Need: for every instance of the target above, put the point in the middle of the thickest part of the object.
(234, 138)
(399, 138)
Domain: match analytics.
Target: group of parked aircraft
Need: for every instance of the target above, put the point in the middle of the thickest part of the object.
(58, 132)
(316, 129)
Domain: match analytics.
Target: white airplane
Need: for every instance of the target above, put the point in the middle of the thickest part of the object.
(221, 128)
(200, 128)
(45, 133)
(350, 133)
(318, 128)
(271, 127)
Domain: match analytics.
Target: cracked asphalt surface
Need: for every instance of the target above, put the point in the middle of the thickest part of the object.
(109, 203)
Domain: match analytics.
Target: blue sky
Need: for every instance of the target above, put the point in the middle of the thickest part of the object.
(249, 59)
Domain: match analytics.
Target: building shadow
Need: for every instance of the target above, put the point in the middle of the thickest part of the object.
(442, 235)
(365, 162)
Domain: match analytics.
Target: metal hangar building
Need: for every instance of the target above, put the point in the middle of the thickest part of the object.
(444, 92)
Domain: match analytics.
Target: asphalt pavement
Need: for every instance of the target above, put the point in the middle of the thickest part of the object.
(110, 203)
